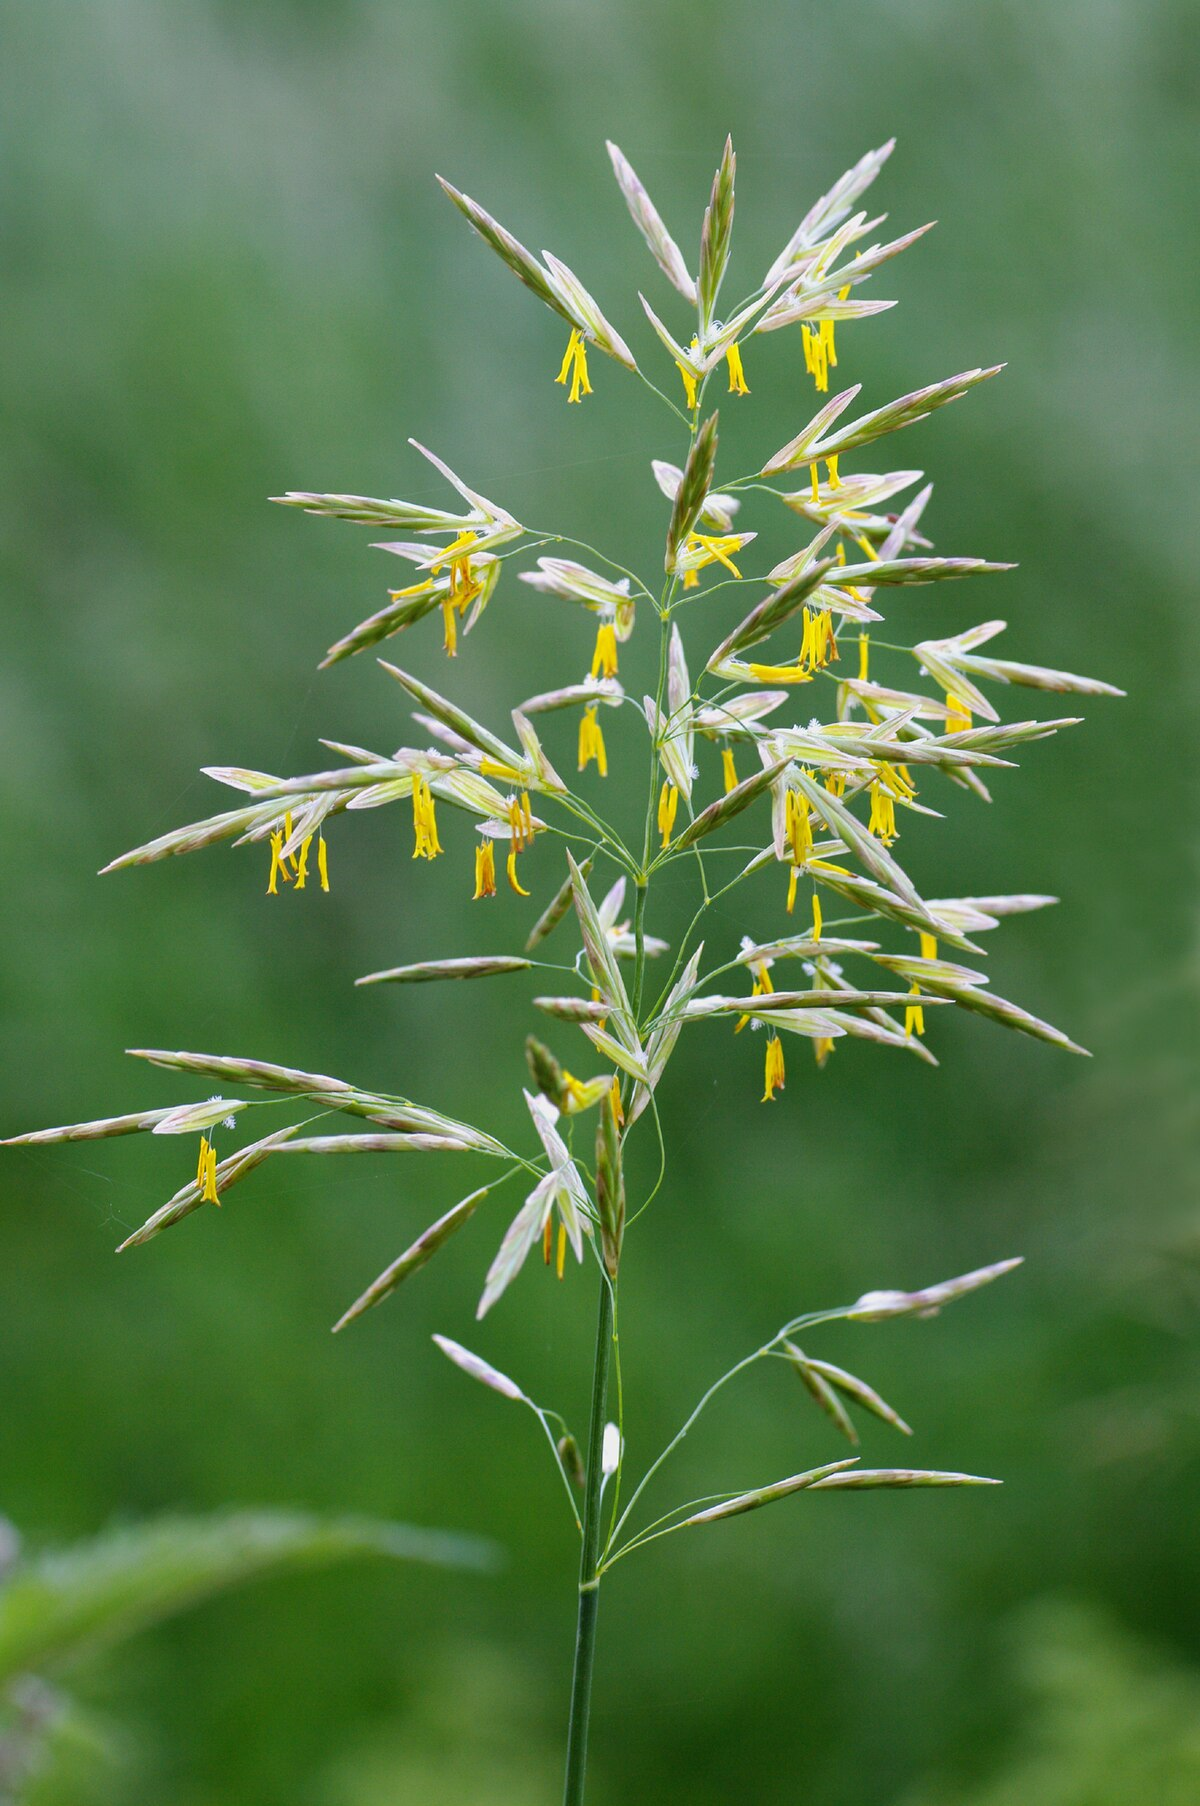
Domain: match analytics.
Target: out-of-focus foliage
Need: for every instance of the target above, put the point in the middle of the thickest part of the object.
(59, 1606)
(228, 272)
(1106, 1719)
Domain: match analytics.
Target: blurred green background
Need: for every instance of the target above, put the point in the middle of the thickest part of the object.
(227, 272)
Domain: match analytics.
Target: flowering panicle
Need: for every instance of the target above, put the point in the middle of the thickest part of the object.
(813, 768)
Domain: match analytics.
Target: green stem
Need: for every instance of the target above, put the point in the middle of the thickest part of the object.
(590, 1568)
(589, 1579)
(639, 946)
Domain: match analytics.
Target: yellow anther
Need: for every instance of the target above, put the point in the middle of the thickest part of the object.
(864, 656)
(798, 829)
(516, 825)
(818, 645)
(816, 917)
(485, 871)
(456, 555)
(574, 1092)
(762, 988)
(417, 589)
(959, 717)
(729, 769)
(520, 821)
(816, 355)
(914, 1015)
(425, 834)
(591, 742)
(574, 365)
(668, 804)
(710, 548)
(280, 867)
(561, 1257)
(883, 814)
(510, 866)
(464, 586)
(208, 1194)
(689, 383)
(604, 658)
(322, 862)
(737, 376)
(496, 768)
(774, 1069)
(781, 674)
